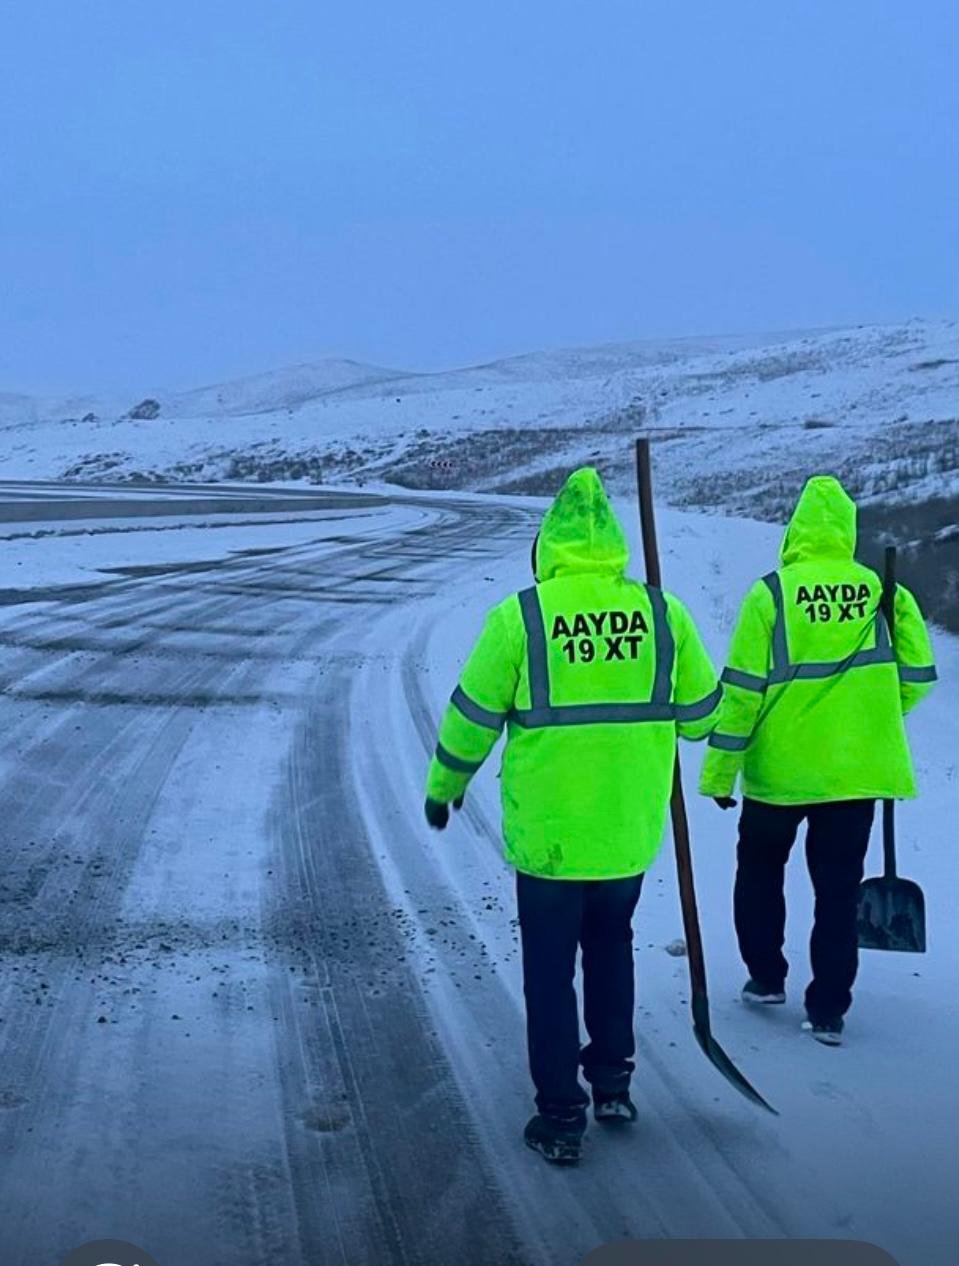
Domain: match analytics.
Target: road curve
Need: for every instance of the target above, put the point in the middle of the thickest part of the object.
(213, 1038)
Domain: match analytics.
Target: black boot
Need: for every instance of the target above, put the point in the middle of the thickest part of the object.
(614, 1108)
(558, 1139)
(757, 993)
(825, 1029)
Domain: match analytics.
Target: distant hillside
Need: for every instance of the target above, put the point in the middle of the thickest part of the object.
(739, 423)
(289, 388)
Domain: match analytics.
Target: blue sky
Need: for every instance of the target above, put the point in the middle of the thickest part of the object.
(196, 190)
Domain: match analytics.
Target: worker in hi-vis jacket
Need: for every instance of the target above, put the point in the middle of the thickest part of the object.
(815, 692)
(593, 674)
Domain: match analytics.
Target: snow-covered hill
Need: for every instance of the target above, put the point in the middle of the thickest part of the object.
(280, 389)
(290, 388)
(740, 423)
(736, 413)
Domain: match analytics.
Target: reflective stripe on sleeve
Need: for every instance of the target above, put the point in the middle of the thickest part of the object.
(455, 762)
(475, 712)
(727, 742)
(748, 681)
(907, 673)
(701, 708)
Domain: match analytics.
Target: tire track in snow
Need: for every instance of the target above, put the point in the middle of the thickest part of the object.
(118, 759)
(107, 791)
(374, 1060)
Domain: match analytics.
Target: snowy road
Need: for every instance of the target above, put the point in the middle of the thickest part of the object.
(252, 1011)
(180, 841)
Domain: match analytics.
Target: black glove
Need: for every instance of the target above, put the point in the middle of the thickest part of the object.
(438, 812)
(725, 802)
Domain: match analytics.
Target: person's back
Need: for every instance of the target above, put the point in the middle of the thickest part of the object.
(593, 674)
(812, 716)
(815, 694)
(595, 700)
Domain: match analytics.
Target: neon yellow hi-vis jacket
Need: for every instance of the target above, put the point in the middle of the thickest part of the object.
(814, 693)
(592, 674)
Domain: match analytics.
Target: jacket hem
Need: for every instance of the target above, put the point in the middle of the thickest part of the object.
(539, 874)
(833, 797)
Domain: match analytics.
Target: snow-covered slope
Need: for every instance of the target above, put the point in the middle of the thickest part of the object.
(740, 423)
(881, 401)
(280, 389)
(275, 390)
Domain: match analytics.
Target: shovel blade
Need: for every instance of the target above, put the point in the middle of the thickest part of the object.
(892, 916)
(721, 1061)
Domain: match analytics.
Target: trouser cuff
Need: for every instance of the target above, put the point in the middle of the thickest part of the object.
(609, 1079)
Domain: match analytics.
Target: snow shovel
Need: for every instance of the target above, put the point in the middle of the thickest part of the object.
(677, 807)
(892, 911)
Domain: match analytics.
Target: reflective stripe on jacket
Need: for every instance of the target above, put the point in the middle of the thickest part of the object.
(592, 675)
(815, 693)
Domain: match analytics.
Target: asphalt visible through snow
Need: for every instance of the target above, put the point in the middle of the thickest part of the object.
(213, 1040)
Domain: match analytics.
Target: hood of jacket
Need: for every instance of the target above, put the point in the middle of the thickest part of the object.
(823, 525)
(581, 532)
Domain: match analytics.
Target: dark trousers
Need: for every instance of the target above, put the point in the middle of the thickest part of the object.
(557, 917)
(836, 843)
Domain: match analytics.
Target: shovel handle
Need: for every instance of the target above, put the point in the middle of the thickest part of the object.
(889, 589)
(696, 957)
(889, 806)
(677, 805)
(889, 838)
(647, 518)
